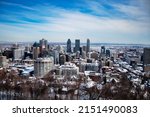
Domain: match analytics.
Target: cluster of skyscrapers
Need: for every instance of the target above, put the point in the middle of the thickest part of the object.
(43, 55)
(77, 46)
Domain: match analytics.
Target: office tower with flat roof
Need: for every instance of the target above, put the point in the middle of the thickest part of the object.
(146, 56)
(88, 46)
(77, 45)
(43, 44)
(146, 59)
(107, 53)
(36, 50)
(69, 46)
(103, 50)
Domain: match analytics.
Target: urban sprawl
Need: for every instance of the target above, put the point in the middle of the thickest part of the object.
(74, 71)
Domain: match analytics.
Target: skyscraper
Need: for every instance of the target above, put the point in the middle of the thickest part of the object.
(146, 59)
(146, 56)
(43, 44)
(77, 45)
(36, 50)
(69, 46)
(88, 46)
(108, 53)
(103, 50)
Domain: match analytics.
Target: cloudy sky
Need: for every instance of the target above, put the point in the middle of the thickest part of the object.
(102, 21)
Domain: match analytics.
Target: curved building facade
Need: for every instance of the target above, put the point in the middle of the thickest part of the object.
(42, 66)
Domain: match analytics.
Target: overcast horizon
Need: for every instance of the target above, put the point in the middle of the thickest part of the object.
(102, 21)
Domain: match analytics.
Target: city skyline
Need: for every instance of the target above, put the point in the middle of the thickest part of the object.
(45, 71)
(107, 21)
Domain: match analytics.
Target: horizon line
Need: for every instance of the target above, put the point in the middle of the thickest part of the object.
(107, 43)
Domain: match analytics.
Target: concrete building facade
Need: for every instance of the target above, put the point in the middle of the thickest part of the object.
(42, 66)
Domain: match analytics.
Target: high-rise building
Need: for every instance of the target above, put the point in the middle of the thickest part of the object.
(42, 66)
(36, 50)
(77, 54)
(77, 45)
(43, 44)
(84, 48)
(69, 46)
(88, 46)
(83, 54)
(103, 50)
(18, 53)
(146, 56)
(146, 59)
(108, 53)
(81, 50)
(55, 54)
(3, 61)
(62, 59)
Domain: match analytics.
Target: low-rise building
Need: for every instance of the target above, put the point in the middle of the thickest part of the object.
(68, 69)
